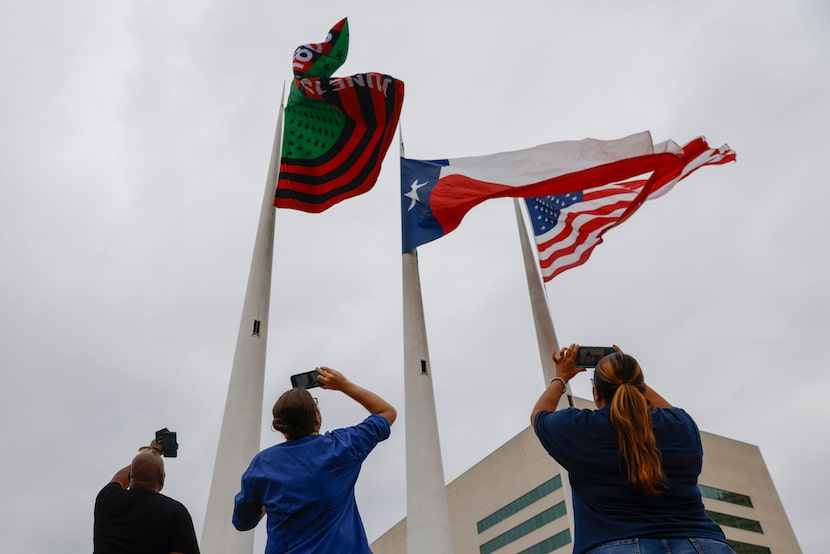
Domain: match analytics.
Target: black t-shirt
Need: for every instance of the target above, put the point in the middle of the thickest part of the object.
(141, 522)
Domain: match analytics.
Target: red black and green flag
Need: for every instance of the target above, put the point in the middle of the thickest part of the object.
(337, 130)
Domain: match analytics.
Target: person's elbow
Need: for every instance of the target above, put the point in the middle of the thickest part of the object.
(244, 525)
(246, 517)
(390, 414)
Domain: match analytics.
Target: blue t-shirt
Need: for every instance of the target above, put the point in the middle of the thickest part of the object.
(606, 507)
(307, 488)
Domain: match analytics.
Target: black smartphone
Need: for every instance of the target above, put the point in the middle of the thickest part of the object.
(167, 440)
(588, 356)
(307, 380)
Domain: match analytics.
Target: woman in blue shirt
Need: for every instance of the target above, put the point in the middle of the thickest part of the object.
(305, 485)
(632, 463)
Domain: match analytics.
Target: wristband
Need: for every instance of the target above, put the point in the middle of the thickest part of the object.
(564, 383)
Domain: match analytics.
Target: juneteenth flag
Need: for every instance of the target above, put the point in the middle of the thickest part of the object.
(569, 226)
(436, 194)
(337, 130)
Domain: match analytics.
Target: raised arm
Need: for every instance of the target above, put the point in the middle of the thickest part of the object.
(565, 371)
(334, 380)
(122, 476)
(655, 400)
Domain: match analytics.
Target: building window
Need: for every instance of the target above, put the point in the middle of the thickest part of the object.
(726, 496)
(550, 544)
(735, 521)
(520, 503)
(745, 548)
(256, 328)
(522, 529)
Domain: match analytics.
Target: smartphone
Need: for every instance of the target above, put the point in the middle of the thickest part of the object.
(167, 439)
(307, 380)
(588, 356)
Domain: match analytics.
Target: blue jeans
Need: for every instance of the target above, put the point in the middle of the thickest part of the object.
(663, 546)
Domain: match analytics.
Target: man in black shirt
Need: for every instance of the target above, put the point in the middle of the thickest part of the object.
(131, 516)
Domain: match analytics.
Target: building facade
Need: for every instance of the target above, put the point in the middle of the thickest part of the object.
(514, 502)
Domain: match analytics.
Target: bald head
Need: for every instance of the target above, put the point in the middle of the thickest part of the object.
(147, 472)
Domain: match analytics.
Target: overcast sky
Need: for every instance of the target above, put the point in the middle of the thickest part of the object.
(135, 139)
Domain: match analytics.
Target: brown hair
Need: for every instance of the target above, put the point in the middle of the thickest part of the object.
(294, 414)
(620, 383)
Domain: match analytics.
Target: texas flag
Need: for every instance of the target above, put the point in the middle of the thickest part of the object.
(437, 194)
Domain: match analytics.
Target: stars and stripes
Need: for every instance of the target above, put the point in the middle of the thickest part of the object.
(569, 226)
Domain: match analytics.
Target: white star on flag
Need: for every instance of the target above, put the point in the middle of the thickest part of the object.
(413, 193)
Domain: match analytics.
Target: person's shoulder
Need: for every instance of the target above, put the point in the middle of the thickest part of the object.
(593, 419)
(374, 425)
(673, 417)
(111, 489)
(375, 422)
(576, 413)
(563, 432)
(672, 412)
(275, 450)
(171, 502)
(566, 416)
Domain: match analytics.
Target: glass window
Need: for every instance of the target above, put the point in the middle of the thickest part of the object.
(726, 496)
(550, 544)
(745, 548)
(520, 503)
(735, 521)
(522, 529)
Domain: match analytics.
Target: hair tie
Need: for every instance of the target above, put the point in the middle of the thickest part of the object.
(630, 384)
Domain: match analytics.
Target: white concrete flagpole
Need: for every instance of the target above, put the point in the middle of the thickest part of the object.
(545, 334)
(239, 438)
(427, 511)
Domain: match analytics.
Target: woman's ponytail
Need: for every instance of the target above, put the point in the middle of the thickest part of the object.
(619, 381)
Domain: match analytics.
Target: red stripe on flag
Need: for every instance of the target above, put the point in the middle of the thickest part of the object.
(581, 225)
(463, 193)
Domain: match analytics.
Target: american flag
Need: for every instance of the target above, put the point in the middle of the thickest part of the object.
(569, 226)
